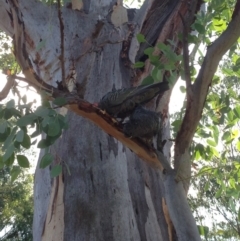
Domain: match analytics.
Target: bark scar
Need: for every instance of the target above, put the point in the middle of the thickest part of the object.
(54, 198)
(167, 219)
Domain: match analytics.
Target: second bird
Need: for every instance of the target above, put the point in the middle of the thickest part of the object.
(142, 124)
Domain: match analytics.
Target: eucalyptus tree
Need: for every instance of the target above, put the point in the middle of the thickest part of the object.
(75, 53)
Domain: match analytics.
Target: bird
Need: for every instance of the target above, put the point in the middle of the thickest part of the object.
(142, 123)
(121, 103)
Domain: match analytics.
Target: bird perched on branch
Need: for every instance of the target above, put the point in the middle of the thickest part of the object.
(144, 124)
(121, 103)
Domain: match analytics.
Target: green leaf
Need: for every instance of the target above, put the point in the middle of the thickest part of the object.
(157, 74)
(141, 38)
(9, 162)
(20, 136)
(56, 170)
(154, 60)
(149, 51)
(46, 122)
(239, 214)
(54, 128)
(15, 173)
(176, 124)
(3, 126)
(232, 183)
(215, 134)
(23, 161)
(238, 145)
(46, 160)
(8, 152)
(203, 230)
(1, 162)
(63, 122)
(17, 145)
(162, 46)
(27, 120)
(7, 114)
(139, 65)
(5, 136)
(10, 104)
(41, 111)
(226, 136)
(44, 143)
(148, 80)
(26, 143)
(218, 193)
(183, 89)
(60, 101)
(236, 111)
(15, 113)
(200, 28)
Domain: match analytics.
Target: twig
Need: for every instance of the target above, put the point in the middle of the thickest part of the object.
(7, 87)
(186, 58)
(62, 43)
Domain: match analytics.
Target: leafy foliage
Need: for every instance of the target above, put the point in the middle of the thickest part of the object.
(167, 61)
(16, 205)
(15, 124)
(216, 172)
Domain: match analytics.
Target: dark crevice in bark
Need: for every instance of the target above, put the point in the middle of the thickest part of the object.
(136, 189)
(156, 18)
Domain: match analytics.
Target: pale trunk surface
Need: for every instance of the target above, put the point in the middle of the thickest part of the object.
(105, 192)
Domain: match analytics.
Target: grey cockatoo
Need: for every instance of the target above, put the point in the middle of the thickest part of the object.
(121, 103)
(144, 124)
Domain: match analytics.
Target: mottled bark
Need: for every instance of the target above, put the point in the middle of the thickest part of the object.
(109, 194)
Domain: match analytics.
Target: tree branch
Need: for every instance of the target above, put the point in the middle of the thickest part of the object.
(7, 87)
(186, 59)
(201, 85)
(62, 44)
(179, 210)
(110, 126)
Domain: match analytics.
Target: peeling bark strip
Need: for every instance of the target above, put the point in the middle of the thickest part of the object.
(54, 223)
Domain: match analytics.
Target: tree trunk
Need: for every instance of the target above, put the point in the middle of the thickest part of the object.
(105, 191)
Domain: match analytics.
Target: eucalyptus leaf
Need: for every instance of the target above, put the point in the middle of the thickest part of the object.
(54, 128)
(56, 170)
(46, 160)
(23, 161)
(141, 38)
(20, 136)
(26, 143)
(10, 104)
(27, 120)
(15, 173)
(60, 101)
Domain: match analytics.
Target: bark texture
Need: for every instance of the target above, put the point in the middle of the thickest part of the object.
(108, 193)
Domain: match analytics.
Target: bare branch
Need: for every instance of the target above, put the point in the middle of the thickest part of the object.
(7, 87)
(112, 127)
(62, 44)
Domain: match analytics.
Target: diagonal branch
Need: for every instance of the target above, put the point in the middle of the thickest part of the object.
(110, 126)
(186, 59)
(7, 87)
(194, 109)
